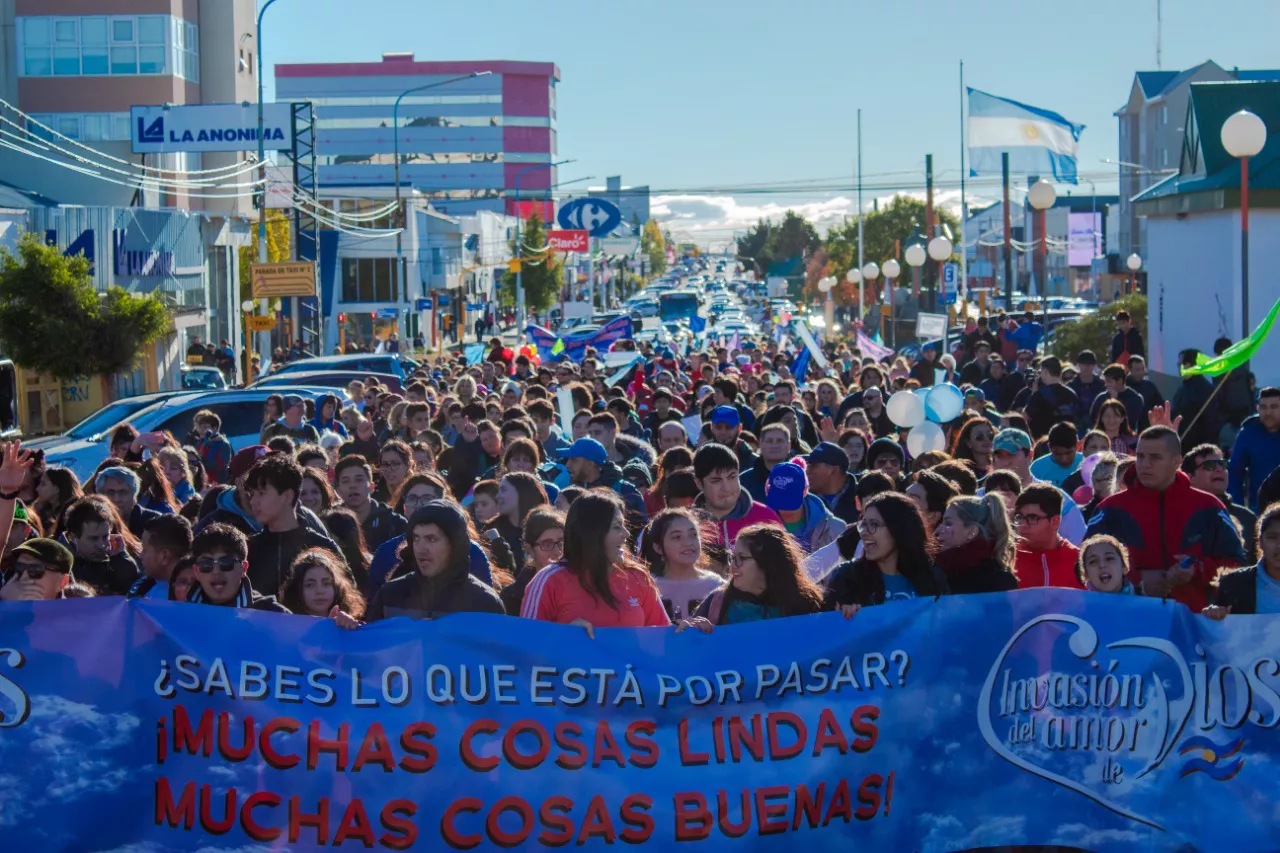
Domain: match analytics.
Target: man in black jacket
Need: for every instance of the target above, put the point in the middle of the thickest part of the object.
(1127, 339)
(221, 555)
(354, 480)
(1194, 403)
(101, 560)
(434, 577)
(273, 484)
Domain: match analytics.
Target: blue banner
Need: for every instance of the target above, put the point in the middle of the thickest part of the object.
(575, 345)
(1045, 717)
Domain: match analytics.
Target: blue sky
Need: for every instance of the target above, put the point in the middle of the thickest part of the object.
(724, 93)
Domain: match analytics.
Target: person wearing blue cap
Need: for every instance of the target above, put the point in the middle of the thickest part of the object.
(726, 428)
(805, 516)
(827, 467)
(589, 467)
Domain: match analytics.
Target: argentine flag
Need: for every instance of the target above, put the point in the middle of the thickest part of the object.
(1038, 142)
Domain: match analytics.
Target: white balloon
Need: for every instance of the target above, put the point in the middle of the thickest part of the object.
(905, 409)
(925, 437)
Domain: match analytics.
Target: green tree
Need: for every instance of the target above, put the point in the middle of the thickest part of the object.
(1094, 332)
(542, 273)
(277, 249)
(54, 321)
(767, 242)
(654, 247)
(885, 232)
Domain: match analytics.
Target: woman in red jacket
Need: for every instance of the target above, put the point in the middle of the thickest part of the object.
(597, 584)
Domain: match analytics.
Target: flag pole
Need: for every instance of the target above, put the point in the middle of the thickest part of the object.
(964, 206)
(860, 282)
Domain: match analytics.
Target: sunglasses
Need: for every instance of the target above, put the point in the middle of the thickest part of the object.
(206, 566)
(35, 571)
(1213, 464)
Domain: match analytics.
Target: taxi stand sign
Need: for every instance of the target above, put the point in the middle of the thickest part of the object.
(292, 278)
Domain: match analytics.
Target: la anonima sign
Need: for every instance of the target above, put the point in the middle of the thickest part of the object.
(210, 127)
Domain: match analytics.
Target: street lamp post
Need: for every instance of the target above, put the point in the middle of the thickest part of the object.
(915, 256)
(870, 272)
(1042, 197)
(262, 173)
(1244, 135)
(940, 250)
(520, 246)
(1134, 263)
(402, 218)
(854, 277)
(891, 269)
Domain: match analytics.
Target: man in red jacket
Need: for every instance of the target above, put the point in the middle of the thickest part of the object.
(1179, 537)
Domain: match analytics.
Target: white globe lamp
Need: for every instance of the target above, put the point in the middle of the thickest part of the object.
(891, 269)
(940, 249)
(915, 255)
(1244, 134)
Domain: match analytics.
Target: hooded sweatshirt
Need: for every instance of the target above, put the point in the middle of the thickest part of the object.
(819, 525)
(611, 478)
(745, 513)
(333, 424)
(452, 590)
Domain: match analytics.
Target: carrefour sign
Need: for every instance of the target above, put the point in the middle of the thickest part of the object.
(210, 127)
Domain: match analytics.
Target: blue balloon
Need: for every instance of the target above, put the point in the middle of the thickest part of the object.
(944, 403)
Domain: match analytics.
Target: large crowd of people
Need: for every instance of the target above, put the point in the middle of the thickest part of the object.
(697, 490)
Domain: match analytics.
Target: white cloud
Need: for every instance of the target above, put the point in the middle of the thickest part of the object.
(714, 218)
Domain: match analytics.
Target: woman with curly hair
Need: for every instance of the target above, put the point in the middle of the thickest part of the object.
(317, 583)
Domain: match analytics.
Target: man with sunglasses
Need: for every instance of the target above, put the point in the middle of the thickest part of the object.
(41, 571)
(1207, 468)
(221, 556)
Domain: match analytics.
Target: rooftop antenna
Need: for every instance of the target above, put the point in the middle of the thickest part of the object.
(1159, 35)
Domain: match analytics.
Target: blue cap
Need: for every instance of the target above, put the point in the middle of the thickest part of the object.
(827, 453)
(727, 415)
(588, 449)
(786, 487)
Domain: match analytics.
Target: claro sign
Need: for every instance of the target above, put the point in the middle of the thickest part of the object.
(210, 127)
(568, 240)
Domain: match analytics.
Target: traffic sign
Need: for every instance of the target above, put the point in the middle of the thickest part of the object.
(388, 313)
(595, 215)
(575, 240)
(950, 283)
(619, 245)
(442, 300)
(513, 265)
(293, 278)
(930, 326)
(422, 303)
(258, 323)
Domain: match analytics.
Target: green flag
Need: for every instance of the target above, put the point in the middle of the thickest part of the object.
(558, 347)
(1236, 354)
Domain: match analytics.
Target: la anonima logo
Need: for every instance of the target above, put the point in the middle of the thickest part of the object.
(15, 705)
(1104, 720)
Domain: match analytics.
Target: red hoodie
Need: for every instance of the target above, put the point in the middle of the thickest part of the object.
(1055, 567)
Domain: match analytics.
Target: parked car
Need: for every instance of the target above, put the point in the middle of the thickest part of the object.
(240, 410)
(102, 420)
(196, 378)
(390, 362)
(336, 379)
